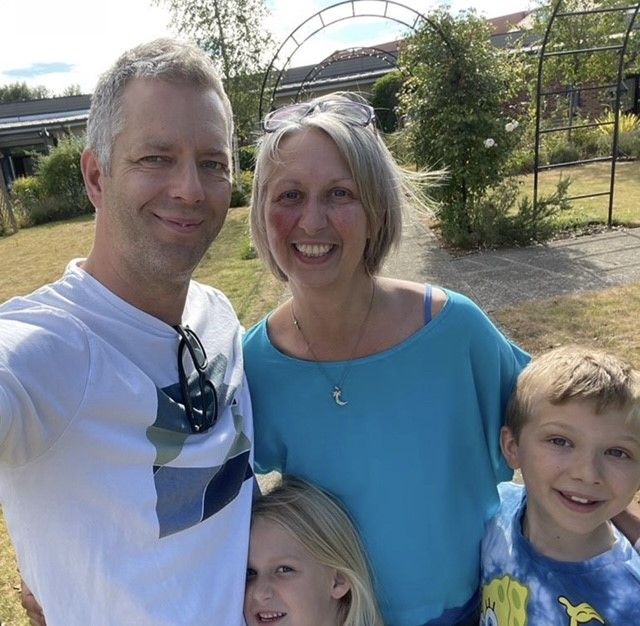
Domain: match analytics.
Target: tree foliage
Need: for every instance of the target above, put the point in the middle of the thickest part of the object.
(386, 98)
(232, 33)
(573, 32)
(456, 99)
(19, 92)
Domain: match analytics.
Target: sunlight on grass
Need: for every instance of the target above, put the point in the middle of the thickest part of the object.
(594, 178)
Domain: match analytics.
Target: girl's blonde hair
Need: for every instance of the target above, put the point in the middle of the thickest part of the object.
(322, 526)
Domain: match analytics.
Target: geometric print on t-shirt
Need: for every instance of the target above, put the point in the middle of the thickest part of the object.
(188, 495)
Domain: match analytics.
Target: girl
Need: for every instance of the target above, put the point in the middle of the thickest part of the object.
(306, 563)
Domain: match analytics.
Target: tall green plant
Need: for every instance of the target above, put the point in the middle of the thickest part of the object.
(456, 100)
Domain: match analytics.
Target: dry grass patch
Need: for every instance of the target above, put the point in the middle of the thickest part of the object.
(606, 319)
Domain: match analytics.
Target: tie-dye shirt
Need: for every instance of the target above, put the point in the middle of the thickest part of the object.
(521, 587)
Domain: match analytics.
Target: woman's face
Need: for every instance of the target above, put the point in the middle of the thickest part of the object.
(285, 584)
(316, 225)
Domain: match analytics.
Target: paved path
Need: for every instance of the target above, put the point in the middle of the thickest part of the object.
(500, 278)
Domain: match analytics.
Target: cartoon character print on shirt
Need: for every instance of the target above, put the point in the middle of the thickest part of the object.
(188, 495)
(504, 603)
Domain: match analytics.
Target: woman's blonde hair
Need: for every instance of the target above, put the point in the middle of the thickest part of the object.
(322, 526)
(386, 189)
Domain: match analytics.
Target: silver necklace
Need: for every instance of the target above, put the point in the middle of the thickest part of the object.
(336, 391)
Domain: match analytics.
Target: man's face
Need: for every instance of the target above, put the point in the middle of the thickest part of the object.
(168, 191)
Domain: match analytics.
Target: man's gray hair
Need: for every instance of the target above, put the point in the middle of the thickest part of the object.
(162, 59)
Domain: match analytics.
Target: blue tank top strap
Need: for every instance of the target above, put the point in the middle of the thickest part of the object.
(428, 295)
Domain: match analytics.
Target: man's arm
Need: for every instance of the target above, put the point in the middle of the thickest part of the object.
(628, 522)
(31, 606)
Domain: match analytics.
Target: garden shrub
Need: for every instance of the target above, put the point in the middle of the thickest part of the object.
(241, 191)
(27, 196)
(61, 179)
(247, 158)
(563, 152)
(454, 100)
(500, 218)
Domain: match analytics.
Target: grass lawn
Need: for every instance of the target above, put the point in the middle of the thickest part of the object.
(38, 255)
(594, 178)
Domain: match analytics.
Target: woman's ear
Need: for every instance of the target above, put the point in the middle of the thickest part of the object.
(509, 445)
(340, 585)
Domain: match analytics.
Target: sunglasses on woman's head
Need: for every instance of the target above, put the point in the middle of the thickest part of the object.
(355, 113)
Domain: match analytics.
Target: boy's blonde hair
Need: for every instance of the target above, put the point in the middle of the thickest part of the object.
(322, 526)
(575, 373)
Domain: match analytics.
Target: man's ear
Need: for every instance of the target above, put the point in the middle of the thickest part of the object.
(93, 175)
(340, 585)
(509, 446)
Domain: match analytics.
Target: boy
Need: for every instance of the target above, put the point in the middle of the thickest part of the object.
(551, 555)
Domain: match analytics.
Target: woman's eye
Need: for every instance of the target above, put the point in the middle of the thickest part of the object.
(618, 453)
(289, 196)
(341, 194)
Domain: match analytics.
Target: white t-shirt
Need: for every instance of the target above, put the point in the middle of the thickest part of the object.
(117, 515)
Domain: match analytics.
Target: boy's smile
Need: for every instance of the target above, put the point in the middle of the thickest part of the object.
(581, 469)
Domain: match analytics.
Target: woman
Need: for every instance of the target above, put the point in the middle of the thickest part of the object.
(386, 393)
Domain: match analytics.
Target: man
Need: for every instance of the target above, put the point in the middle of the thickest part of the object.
(125, 420)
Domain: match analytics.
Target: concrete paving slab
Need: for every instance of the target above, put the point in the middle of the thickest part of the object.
(506, 277)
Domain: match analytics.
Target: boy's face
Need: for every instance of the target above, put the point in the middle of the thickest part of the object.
(580, 469)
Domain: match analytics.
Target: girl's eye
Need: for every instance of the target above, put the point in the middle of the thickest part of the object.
(560, 441)
(251, 574)
(618, 453)
(284, 569)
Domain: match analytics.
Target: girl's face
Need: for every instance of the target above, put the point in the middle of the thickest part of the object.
(286, 585)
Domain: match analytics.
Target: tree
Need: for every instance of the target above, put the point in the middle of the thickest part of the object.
(72, 90)
(386, 98)
(232, 32)
(456, 100)
(583, 32)
(19, 92)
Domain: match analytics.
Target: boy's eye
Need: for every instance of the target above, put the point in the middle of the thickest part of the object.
(560, 441)
(618, 453)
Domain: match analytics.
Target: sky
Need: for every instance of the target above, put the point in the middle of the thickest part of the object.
(57, 43)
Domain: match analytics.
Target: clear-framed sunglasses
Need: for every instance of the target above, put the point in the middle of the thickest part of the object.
(356, 113)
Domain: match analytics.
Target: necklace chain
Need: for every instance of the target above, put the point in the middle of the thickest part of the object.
(336, 391)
